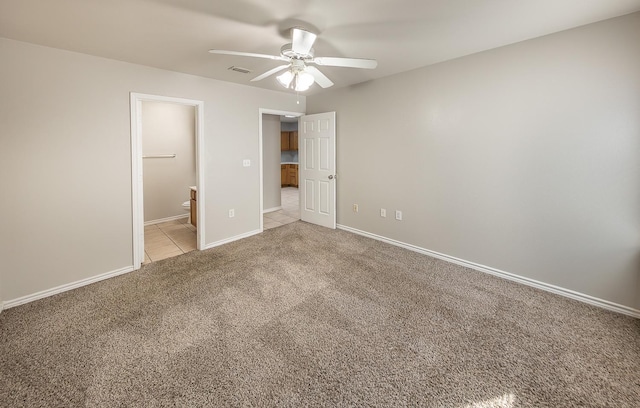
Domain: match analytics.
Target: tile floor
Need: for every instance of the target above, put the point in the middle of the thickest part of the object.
(178, 237)
(168, 239)
(289, 213)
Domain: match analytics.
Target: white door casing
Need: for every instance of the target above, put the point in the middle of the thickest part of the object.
(264, 111)
(317, 170)
(137, 175)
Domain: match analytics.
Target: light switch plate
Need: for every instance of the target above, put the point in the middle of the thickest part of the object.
(246, 163)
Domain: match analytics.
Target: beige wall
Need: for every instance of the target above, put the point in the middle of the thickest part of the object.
(523, 158)
(1, 298)
(271, 161)
(167, 128)
(66, 166)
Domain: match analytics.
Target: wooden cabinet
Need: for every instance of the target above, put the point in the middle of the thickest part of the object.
(289, 140)
(194, 208)
(289, 175)
(293, 175)
(284, 141)
(284, 175)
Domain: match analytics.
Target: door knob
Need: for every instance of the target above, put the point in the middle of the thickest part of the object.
(330, 176)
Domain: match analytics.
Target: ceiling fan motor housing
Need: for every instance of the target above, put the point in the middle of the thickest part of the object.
(297, 65)
(287, 51)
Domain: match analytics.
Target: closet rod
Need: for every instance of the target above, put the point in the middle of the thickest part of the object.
(160, 156)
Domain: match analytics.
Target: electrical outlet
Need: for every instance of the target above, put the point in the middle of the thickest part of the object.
(355, 208)
(383, 212)
(398, 215)
(232, 213)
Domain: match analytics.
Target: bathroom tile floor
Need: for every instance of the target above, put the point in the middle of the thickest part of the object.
(178, 237)
(289, 213)
(168, 239)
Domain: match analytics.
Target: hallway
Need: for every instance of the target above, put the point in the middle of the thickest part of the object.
(290, 212)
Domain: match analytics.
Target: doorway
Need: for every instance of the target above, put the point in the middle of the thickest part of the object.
(317, 167)
(168, 227)
(280, 170)
(278, 202)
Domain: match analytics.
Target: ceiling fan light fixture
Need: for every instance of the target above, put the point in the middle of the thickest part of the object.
(285, 78)
(304, 80)
(301, 88)
(296, 79)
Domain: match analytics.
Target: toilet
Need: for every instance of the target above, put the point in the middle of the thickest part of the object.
(187, 207)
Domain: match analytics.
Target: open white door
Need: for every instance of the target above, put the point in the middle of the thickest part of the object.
(317, 168)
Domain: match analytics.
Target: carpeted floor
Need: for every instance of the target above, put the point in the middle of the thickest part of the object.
(305, 316)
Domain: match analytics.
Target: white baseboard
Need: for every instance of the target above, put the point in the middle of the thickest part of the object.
(160, 221)
(268, 210)
(604, 304)
(227, 240)
(63, 288)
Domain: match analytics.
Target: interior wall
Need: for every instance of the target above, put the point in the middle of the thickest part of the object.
(167, 128)
(65, 126)
(289, 126)
(523, 158)
(1, 298)
(271, 161)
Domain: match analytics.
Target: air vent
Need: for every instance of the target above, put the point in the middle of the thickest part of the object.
(240, 69)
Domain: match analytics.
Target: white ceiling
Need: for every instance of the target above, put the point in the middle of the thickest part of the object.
(400, 34)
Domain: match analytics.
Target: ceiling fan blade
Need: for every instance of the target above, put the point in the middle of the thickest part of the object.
(249, 54)
(321, 79)
(302, 41)
(346, 62)
(270, 72)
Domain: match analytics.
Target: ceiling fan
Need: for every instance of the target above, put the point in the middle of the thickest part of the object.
(298, 55)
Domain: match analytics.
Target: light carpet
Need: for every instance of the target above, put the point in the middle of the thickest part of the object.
(305, 316)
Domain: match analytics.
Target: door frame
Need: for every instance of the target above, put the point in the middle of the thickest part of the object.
(264, 111)
(137, 192)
